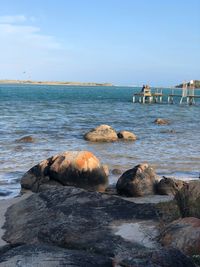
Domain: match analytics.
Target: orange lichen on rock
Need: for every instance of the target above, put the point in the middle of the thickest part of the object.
(86, 161)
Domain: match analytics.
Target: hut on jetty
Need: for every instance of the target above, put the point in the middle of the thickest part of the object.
(156, 95)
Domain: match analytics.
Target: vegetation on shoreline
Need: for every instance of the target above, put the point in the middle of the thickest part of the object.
(196, 84)
(54, 83)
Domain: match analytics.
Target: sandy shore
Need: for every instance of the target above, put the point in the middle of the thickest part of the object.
(4, 205)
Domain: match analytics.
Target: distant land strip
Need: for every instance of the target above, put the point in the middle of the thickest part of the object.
(54, 83)
(196, 84)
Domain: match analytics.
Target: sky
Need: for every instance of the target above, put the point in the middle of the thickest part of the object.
(124, 42)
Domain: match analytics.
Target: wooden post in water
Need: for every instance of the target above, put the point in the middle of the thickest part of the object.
(190, 97)
(184, 92)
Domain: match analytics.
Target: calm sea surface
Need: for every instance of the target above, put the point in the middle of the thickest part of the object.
(58, 116)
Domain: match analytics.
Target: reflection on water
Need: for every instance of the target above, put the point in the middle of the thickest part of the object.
(57, 117)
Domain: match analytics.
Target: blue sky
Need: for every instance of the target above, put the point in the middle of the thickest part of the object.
(126, 42)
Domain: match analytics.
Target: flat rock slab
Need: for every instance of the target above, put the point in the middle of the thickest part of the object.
(44, 255)
(73, 218)
(76, 219)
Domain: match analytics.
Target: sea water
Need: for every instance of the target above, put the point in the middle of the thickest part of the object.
(58, 117)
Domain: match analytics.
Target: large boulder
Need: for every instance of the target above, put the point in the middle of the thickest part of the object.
(126, 136)
(72, 168)
(102, 133)
(84, 223)
(188, 199)
(169, 186)
(183, 234)
(137, 182)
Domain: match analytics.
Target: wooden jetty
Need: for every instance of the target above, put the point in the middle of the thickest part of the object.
(186, 94)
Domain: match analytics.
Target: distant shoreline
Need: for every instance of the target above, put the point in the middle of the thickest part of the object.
(54, 83)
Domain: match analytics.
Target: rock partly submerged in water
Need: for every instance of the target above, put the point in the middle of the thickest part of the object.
(169, 186)
(102, 133)
(26, 139)
(183, 234)
(116, 171)
(137, 182)
(126, 136)
(160, 121)
(73, 218)
(105, 133)
(188, 199)
(72, 168)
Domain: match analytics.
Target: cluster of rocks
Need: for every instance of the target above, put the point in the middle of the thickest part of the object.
(105, 133)
(71, 218)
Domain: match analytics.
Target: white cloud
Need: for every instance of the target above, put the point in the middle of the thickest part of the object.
(13, 19)
(24, 45)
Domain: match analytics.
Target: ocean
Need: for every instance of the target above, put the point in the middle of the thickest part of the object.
(58, 117)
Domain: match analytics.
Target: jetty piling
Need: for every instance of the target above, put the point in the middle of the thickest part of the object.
(156, 95)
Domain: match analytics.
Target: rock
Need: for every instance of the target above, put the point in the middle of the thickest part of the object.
(159, 258)
(106, 169)
(169, 186)
(160, 121)
(72, 217)
(72, 168)
(168, 131)
(183, 234)
(116, 172)
(5, 192)
(136, 182)
(102, 133)
(188, 199)
(81, 222)
(51, 256)
(26, 139)
(127, 136)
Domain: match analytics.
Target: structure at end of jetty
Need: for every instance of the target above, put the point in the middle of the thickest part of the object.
(186, 94)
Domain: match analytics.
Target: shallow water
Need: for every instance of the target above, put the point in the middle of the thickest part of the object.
(58, 116)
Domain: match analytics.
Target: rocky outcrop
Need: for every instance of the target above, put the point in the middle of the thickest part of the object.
(160, 121)
(183, 234)
(169, 186)
(51, 256)
(136, 182)
(102, 133)
(26, 139)
(188, 199)
(72, 218)
(127, 136)
(72, 168)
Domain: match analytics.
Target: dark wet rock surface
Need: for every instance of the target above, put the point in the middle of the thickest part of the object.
(72, 219)
(50, 256)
